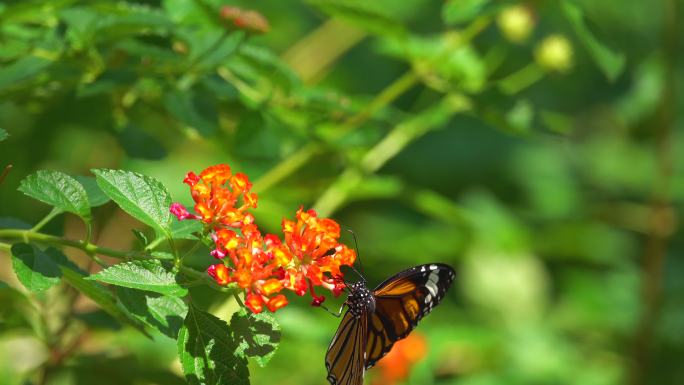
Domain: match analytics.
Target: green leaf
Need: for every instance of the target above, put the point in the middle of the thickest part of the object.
(189, 109)
(207, 351)
(35, 269)
(139, 144)
(16, 311)
(75, 277)
(57, 189)
(144, 275)
(224, 47)
(143, 197)
(162, 255)
(461, 11)
(95, 196)
(195, 13)
(611, 63)
(258, 335)
(3, 134)
(161, 312)
(185, 229)
(22, 70)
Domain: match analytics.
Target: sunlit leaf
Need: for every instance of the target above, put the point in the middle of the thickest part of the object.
(207, 351)
(95, 195)
(258, 335)
(75, 277)
(144, 275)
(57, 189)
(161, 312)
(34, 269)
(143, 197)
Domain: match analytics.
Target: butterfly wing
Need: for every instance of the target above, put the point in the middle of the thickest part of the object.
(400, 302)
(345, 357)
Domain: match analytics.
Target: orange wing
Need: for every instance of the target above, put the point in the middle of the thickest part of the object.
(345, 357)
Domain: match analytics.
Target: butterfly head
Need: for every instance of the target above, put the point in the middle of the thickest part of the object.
(360, 300)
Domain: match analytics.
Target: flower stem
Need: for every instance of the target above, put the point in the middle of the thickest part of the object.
(237, 299)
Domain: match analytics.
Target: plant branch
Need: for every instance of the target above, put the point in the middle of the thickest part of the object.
(397, 88)
(92, 250)
(300, 157)
(662, 214)
(403, 134)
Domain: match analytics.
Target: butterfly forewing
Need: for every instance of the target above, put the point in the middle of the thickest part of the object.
(400, 302)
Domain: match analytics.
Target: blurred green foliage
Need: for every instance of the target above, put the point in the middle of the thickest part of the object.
(532, 145)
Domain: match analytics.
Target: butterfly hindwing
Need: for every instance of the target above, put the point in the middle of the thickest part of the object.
(345, 357)
(400, 302)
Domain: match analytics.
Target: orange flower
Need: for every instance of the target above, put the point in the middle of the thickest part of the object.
(263, 266)
(220, 273)
(217, 195)
(251, 267)
(311, 255)
(396, 366)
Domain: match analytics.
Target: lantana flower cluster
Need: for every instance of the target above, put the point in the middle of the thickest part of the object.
(309, 254)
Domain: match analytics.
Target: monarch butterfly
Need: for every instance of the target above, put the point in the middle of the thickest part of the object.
(375, 320)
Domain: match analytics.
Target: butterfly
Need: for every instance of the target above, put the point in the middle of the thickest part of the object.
(376, 319)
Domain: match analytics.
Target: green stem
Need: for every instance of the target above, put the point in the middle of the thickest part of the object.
(192, 249)
(400, 136)
(521, 79)
(177, 260)
(29, 235)
(285, 168)
(55, 211)
(397, 88)
(92, 250)
(237, 299)
(300, 157)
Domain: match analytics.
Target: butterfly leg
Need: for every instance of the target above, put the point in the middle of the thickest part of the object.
(338, 314)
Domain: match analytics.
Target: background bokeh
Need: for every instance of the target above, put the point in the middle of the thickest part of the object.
(531, 145)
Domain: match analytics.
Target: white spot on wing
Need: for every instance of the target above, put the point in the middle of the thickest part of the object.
(433, 267)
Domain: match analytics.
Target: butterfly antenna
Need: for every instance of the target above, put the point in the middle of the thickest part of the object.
(358, 256)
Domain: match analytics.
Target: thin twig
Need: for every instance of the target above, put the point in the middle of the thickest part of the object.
(661, 224)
